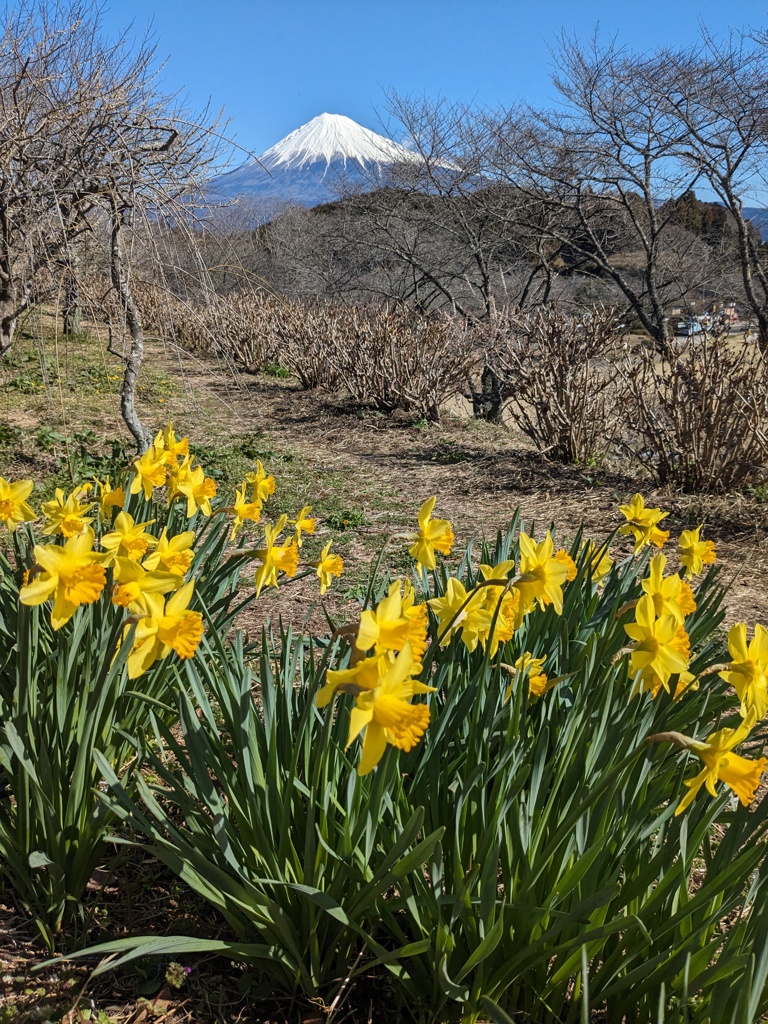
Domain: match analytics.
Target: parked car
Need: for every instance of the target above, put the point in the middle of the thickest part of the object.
(687, 328)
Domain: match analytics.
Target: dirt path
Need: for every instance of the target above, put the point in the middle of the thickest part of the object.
(481, 473)
(365, 473)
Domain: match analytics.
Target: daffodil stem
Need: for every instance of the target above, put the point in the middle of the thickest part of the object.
(721, 667)
(677, 738)
(620, 654)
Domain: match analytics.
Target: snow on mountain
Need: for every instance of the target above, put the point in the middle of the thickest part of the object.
(332, 138)
(311, 164)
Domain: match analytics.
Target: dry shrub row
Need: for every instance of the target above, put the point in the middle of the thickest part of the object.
(700, 414)
(242, 326)
(388, 359)
(559, 374)
(399, 359)
(695, 416)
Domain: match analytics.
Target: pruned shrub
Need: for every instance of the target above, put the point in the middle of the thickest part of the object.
(400, 359)
(558, 374)
(313, 337)
(389, 359)
(699, 413)
(240, 326)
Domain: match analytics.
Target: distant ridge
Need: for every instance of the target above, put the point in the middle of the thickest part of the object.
(759, 218)
(310, 164)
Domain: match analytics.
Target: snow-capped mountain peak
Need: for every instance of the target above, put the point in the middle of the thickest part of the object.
(332, 138)
(308, 165)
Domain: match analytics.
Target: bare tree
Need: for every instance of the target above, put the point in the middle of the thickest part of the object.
(89, 145)
(717, 91)
(443, 232)
(602, 164)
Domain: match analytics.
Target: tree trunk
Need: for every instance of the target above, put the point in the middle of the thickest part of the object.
(8, 322)
(72, 309)
(748, 264)
(135, 355)
(488, 401)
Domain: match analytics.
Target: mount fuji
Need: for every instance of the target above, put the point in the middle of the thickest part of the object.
(311, 164)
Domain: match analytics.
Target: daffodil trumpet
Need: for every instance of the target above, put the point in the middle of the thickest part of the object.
(741, 775)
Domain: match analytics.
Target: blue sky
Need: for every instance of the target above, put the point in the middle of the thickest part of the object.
(275, 65)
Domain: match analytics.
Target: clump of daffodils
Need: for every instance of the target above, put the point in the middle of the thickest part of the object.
(386, 674)
(383, 678)
(132, 545)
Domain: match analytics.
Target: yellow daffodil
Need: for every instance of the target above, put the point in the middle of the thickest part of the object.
(694, 553)
(328, 566)
(661, 647)
(14, 509)
(263, 485)
(384, 627)
(502, 604)
(195, 486)
(128, 539)
(502, 571)
(150, 472)
(66, 515)
(133, 583)
(642, 523)
(386, 713)
(667, 593)
(363, 675)
(686, 599)
(167, 626)
(433, 535)
(72, 575)
(506, 620)
(598, 560)
(748, 670)
(459, 611)
(275, 558)
(418, 622)
(243, 510)
(538, 683)
(565, 559)
(171, 449)
(109, 498)
(740, 774)
(174, 554)
(542, 575)
(686, 682)
(303, 523)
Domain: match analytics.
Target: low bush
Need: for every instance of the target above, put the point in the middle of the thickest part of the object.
(241, 327)
(558, 373)
(387, 359)
(699, 413)
(313, 338)
(401, 359)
